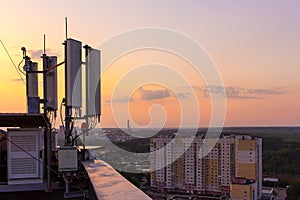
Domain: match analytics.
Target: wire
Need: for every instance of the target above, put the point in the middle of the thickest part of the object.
(94, 122)
(5, 138)
(76, 114)
(61, 118)
(82, 133)
(54, 121)
(89, 127)
(12, 61)
(72, 126)
(52, 116)
(20, 68)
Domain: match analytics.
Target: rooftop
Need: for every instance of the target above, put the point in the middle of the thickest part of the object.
(108, 184)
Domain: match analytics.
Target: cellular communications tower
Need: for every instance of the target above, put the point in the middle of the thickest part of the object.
(33, 158)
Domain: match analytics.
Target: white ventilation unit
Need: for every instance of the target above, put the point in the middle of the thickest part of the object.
(23, 156)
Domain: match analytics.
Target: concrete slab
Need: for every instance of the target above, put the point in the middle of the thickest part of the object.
(108, 184)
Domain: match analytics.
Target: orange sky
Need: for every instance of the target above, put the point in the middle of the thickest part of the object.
(254, 44)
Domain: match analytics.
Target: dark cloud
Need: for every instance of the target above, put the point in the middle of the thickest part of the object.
(150, 95)
(183, 95)
(231, 92)
(122, 99)
(239, 92)
(36, 54)
(147, 95)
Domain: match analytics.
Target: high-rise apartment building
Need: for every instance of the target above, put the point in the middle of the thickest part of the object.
(180, 165)
(248, 162)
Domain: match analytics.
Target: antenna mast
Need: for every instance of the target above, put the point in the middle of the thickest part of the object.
(66, 24)
(44, 43)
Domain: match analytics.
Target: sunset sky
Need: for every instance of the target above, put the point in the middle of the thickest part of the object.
(254, 44)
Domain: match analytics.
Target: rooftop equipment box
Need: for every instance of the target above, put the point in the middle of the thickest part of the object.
(67, 159)
(23, 155)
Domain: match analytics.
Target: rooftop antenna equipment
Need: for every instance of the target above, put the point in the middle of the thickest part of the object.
(66, 24)
(73, 73)
(33, 100)
(51, 77)
(93, 83)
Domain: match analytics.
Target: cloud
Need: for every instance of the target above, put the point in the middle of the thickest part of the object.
(36, 54)
(239, 92)
(123, 99)
(183, 95)
(16, 79)
(150, 95)
(147, 95)
(232, 92)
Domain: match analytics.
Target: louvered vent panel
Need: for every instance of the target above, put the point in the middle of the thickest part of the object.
(23, 166)
(23, 143)
(23, 154)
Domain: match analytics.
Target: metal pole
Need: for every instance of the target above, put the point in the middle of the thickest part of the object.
(66, 23)
(87, 50)
(44, 44)
(67, 187)
(47, 131)
(67, 108)
(26, 69)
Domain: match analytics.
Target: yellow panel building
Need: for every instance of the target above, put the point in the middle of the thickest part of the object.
(243, 189)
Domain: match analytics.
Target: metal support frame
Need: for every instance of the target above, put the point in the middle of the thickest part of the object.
(42, 119)
(48, 128)
(68, 117)
(87, 49)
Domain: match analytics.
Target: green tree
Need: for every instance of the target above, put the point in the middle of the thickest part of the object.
(293, 192)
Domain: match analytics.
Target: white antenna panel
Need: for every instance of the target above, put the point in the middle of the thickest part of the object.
(33, 81)
(33, 104)
(52, 84)
(74, 73)
(94, 83)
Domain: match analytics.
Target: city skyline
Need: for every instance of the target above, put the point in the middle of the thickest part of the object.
(253, 44)
(188, 167)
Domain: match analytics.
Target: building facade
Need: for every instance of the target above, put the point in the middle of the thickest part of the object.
(194, 166)
(243, 189)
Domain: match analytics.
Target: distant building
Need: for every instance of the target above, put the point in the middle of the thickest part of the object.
(267, 193)
(233, 156)
(248, 162)
(271, 180)
(243, 189)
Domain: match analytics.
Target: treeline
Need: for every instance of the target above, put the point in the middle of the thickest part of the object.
(136, 179)
(141, 145)
(293, 192)
(281, 157)
(276, 143)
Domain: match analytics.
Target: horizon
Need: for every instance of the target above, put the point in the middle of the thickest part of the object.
(225, 127)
